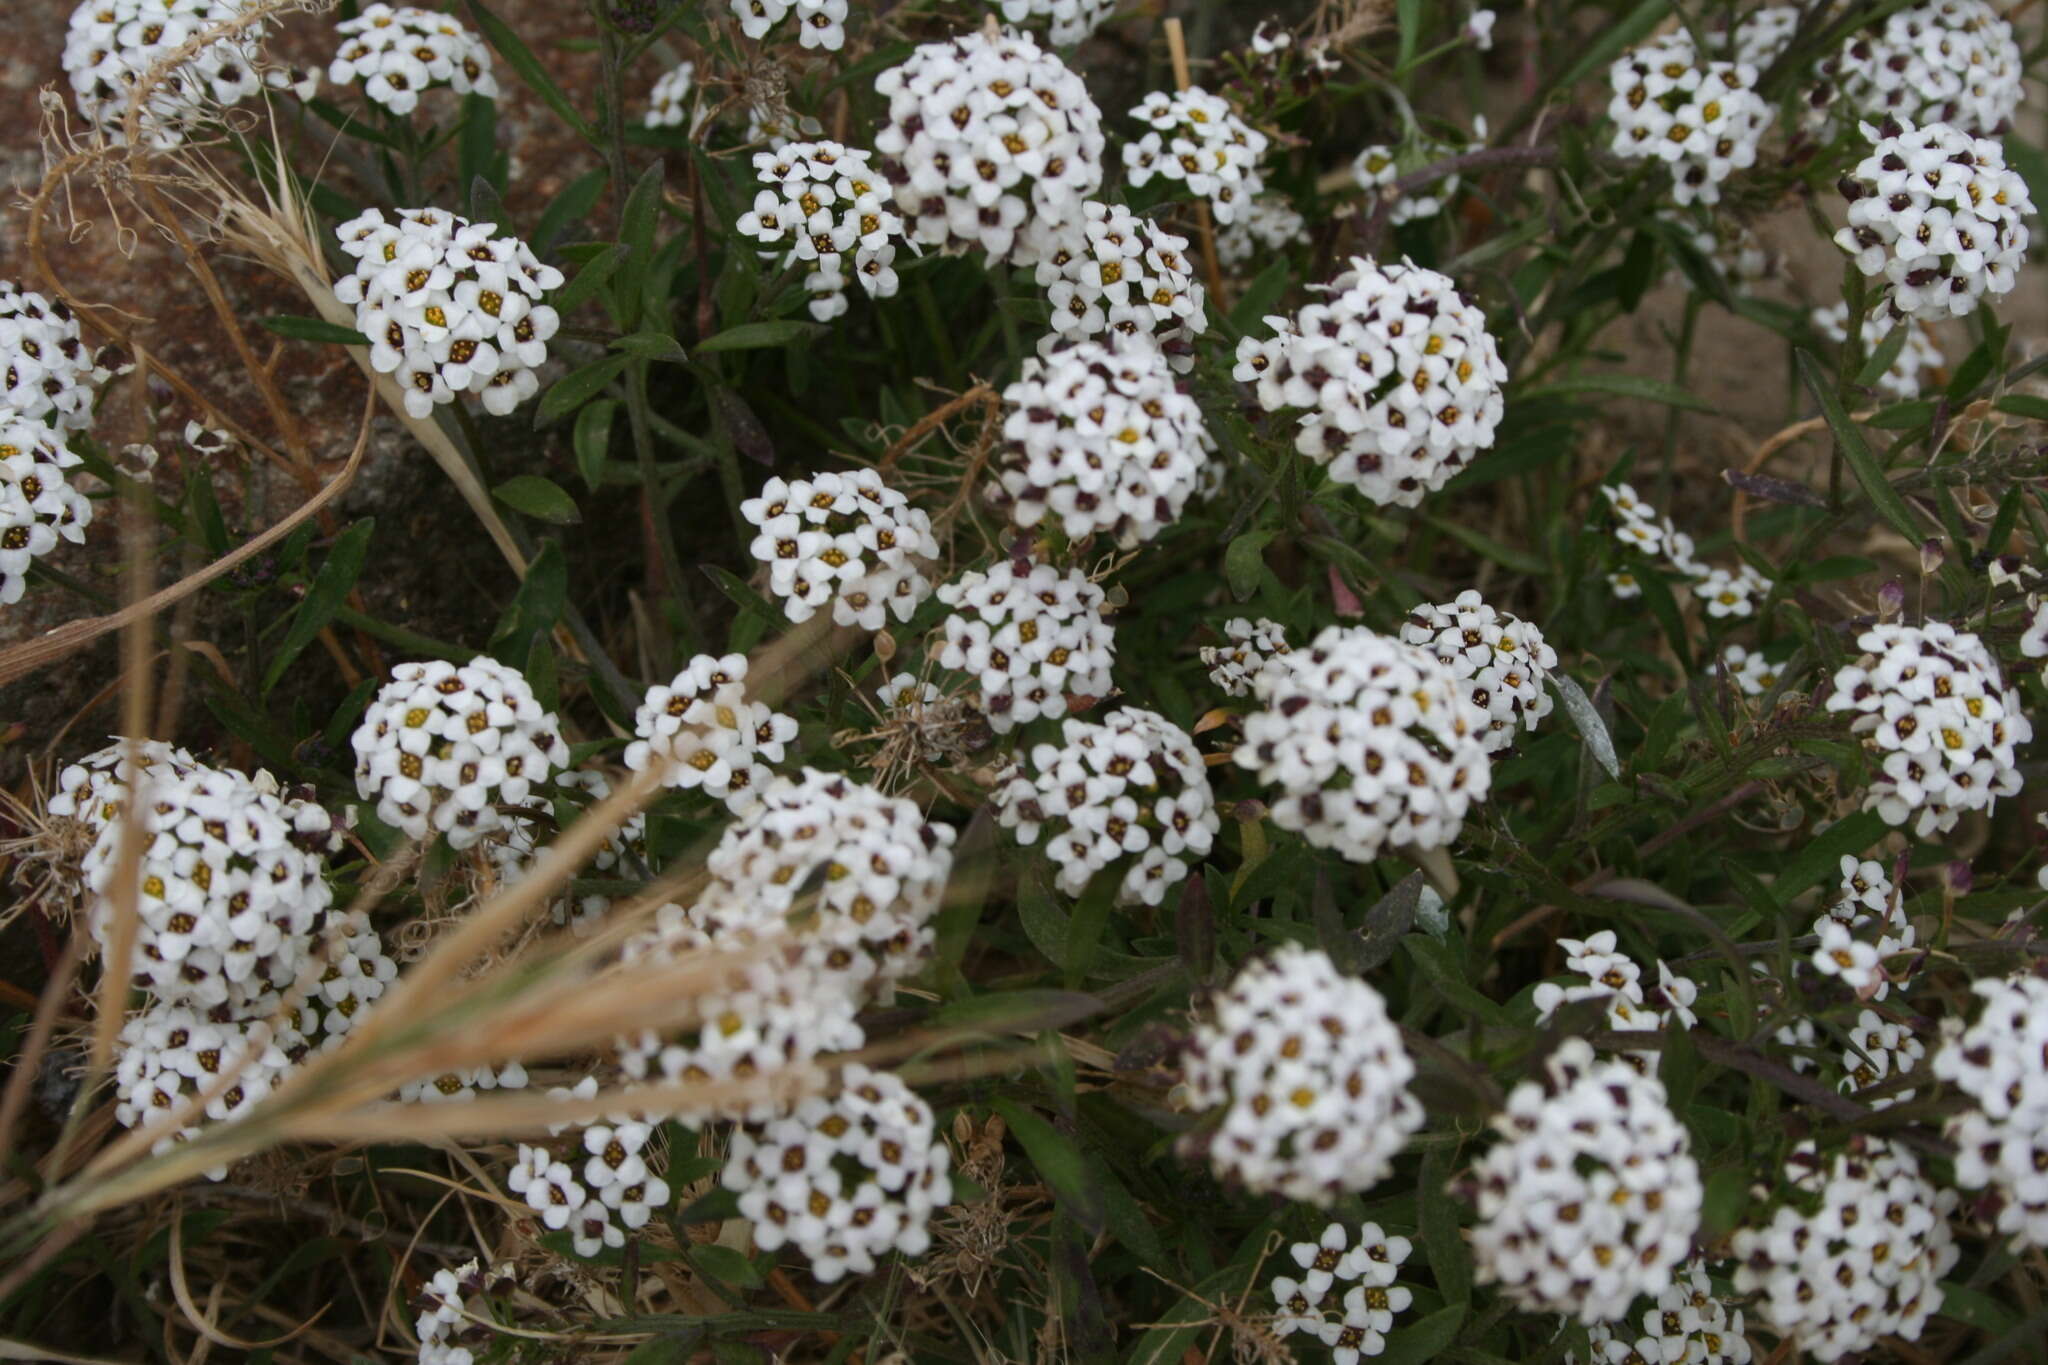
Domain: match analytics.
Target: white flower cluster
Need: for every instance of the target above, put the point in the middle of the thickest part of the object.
(1939, 216)
(848, 874)
(2001, 1063)
(1857, 1257)
(1947, 61)
(172, 1055)
(1749, 670)
(1396, 379)
(1115, 272)
(513, 850)
(231, 878)
(1268, 227)
(1130, 787)
(1198, 139)
(1502, 661)
(1736, 251)
(1255, 648)
(1765, 33)
(1616, 979)
(1071, 20)
(50, 376)
(706, 733)
(843, 538)
(1863, 932)
(441, 745)
(1700, 117)
(1098, 438)
(448, 307)
(1592, 1196)
(112, 45)
(1932, 707)
(463, 1085)
(1032, 637)
(1917, 356)
(1879, 1051)
(845, 1179)
(986, 134)
(1311, 1077)
(819, 23)
(1734, 592)
(1367, 1308)
(1370, 742)
(825, 200)
(1639, 528)
(614, 1191)
(446, 1319)
(668, 103)
(398, 53)
(1686, 1325)
(38, 506)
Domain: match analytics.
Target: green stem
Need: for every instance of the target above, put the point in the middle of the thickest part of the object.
(410, 641)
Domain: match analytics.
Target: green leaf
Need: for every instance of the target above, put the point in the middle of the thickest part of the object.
(1508, 557)
(1436, 1215)
(535, 608)
(1856, 452)
(538, 497)
(744, 597)
(758, 336)
(578, 387)
(593, 439)
(589, 279)
(636, 231)
(2024, 405)
(1025, 1011)
(315, 329)
(1244, 563)
(1261, 294)
(1727, 1194)
(571, 205)
(1586, 717)
(2024, 157)
(724, 1264)
(520, 58)
(1183, 1327)
(1882, 359)
(1623, 386)
(1424, 1340)
(1090, 919)
(1610, 41)
(1442, 963)
(651, 346)
(1409, 14)
(1821, 858)
(1059, 1163)
(330, 587)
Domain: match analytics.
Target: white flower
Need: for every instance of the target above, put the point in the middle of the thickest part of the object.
(2001, 1063)
(1071, 20)
(1031, 637)
(448, 308)
(1731, 594)
(844, 538)
(1395, 379)
(113, 44)
(1134, 783)
(1937, 214)
(1752, 673)
(1479, 28)
(1298, 1305)
(706, 734)
(1685, 1325)
(1624, 585)
(38, 506)
(1592, 1195)
(984, 134)
(1097, 438)
(170, 1054)
(846, 1179)
(1702, 118)
(1945, 61)
(1369, 741)
(1934, 711)
(397, 52)
(1309, 1076)
(50, 376)
(1113, 272)
(1501, 660)
(1879, 1051)
(829, 206)
(1855, 1255)
(669, 102)
(2034, 640)
(440, 747)
(1252, 650)
(1199, 139)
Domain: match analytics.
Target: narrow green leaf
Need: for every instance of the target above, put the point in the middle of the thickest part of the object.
(589, 279)
(1025, 1011)
(724, 1264)
(1586, 717)
(574, 389)
(757, 336)
(535, 607)
(1856, 452)
(1184, 1326)
(520, 58)
(651, 346)
(314, 329)
(538, 497)
(1244, 563)
(1611, 40)
(1261, 294)
(593, 438)
(1622, 386)
(329, 588)
(571, 205)
(1507, 556)
(1821, 859)
(2024, 405)
(1090, 919)
(1883, 358)
(1436, 1215)
(1409, 16)
(1424, 1340)
(1059, 1162)
(636, 231)
(744, 597)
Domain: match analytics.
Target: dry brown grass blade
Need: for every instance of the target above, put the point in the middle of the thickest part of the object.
(25, 658)
(203, 1323)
